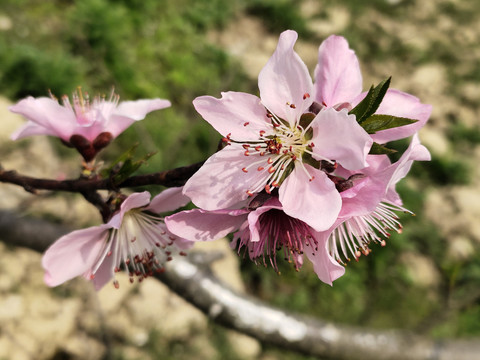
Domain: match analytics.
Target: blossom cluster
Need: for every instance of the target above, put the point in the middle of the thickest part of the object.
(304, 171)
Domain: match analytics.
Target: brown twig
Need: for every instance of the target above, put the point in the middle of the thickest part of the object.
(169, 178)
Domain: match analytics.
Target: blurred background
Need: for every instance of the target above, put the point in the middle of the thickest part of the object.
(425, 280)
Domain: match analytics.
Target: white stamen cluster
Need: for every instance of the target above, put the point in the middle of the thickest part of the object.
(139, 246)
(355, 234)
(278, 233)
(87, 110)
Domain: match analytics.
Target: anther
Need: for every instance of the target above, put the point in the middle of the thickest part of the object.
(245, 170)
(271, 170)
(245, 124)
(306, 96)
(260, 168)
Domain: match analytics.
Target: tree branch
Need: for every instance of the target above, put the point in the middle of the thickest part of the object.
(173, 177)
(315, 337)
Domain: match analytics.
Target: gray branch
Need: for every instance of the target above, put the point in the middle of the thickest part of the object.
(196, 283)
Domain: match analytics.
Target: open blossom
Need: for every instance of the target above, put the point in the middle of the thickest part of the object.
(338, 83)
(275, 143)
(368, 207)
(86, 124)
(135, 239)
(262, 230)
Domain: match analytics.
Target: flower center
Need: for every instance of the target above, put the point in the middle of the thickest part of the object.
(280, 148)
(140, 246)
(278, 231)
(87, 110)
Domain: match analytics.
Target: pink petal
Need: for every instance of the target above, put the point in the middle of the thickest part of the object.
(32, 128)
(237, 114)
(337, 136)
(137, 110)
(133, 201)
(253, 217)
(381, 181)
(48, 113)
(179, 242)
(324, 265)
(401, 104)
(315, 202)
(92, 129)
(115, 125)
(285, 81)
(337, 76)
(128, 112)
(367, 197)
(104, 273)
(201, 225)
(220, 183)
(168, 200)
(415, 152)
(73, 254)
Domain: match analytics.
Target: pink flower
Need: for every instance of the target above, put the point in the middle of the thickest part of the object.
(338, 83)
(272, 145)
(87, 124)
(260, 232)
(134, 238)
(368, 207)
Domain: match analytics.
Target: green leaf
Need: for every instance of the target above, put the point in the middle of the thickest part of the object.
(376, 123)
(371, 102)
(378, 149)
(125, 166)
(117, 163)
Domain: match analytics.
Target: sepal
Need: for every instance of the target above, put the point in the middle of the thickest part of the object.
(378, 149)
(371, 102)
(379, 122)
(125, 165)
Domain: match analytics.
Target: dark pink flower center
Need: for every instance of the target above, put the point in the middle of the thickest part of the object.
(278, 232)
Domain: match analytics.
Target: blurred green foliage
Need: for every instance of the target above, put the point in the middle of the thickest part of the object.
(160, 48)
(279, 15)
(128, 45)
